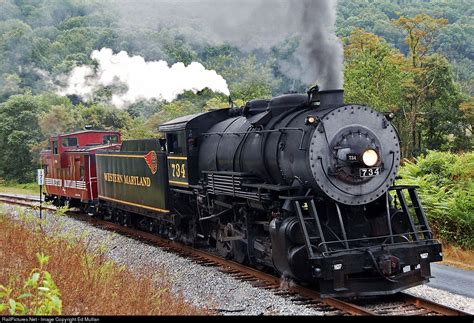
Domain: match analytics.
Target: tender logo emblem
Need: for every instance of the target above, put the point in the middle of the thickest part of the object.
(152, 161)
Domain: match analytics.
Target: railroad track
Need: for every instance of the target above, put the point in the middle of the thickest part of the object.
(398, 304)
(29, 201)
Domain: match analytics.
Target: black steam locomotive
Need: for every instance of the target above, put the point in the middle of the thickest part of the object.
(302, 184)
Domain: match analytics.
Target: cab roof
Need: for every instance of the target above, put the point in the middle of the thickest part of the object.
(86, 131)
(199, 121)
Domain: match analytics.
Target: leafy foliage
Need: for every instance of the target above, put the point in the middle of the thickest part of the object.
(19, 132)
(39, 295)
(446, 186)
(374, 72)
(454, 39)
(420, 90)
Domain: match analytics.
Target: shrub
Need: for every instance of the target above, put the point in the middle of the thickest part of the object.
(446, 186)
(38, 296)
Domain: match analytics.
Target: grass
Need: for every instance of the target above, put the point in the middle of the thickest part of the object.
(16, 188)
(457, 257)
(89, 284)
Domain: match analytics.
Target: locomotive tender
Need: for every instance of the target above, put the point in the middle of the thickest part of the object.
(302, 184)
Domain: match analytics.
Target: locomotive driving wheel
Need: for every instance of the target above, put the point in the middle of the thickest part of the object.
(229, 243)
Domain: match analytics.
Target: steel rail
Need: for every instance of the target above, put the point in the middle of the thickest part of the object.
(431, 307)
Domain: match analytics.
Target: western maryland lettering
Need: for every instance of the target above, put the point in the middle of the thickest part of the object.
(115, 178)
(127, 179)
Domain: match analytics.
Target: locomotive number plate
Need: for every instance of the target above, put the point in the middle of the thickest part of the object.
(369, 172)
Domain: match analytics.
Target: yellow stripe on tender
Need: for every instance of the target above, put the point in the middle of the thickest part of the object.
(134, 204)
(179, 183)
(124, 156)
(177, 158)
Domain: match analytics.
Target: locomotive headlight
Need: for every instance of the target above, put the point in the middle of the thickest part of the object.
(370, 157)
(311, 120)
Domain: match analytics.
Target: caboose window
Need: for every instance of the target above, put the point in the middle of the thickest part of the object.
(110, 139)
(55, 147)
(69, 142)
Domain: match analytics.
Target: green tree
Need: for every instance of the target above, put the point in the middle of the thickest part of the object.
(247, 78)
(420, 31)
(144, 109)
(173, 110)
(373, 71)
(453, 40)
(19, 132)
(101, 116)
(442, 122)
(140, 129)
(9, 85)
(15, 47)
(60, 119)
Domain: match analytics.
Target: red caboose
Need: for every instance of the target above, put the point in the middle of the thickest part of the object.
(70, 167)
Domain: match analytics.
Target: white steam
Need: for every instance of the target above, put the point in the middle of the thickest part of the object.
(133, 79)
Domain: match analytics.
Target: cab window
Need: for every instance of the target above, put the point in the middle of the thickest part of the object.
(175, 143)
(69, 142)
(110, 139)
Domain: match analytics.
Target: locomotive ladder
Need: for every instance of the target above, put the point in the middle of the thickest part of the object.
(423, 225)
(304, 220)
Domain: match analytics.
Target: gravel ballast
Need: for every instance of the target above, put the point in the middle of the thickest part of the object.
(207, 286)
